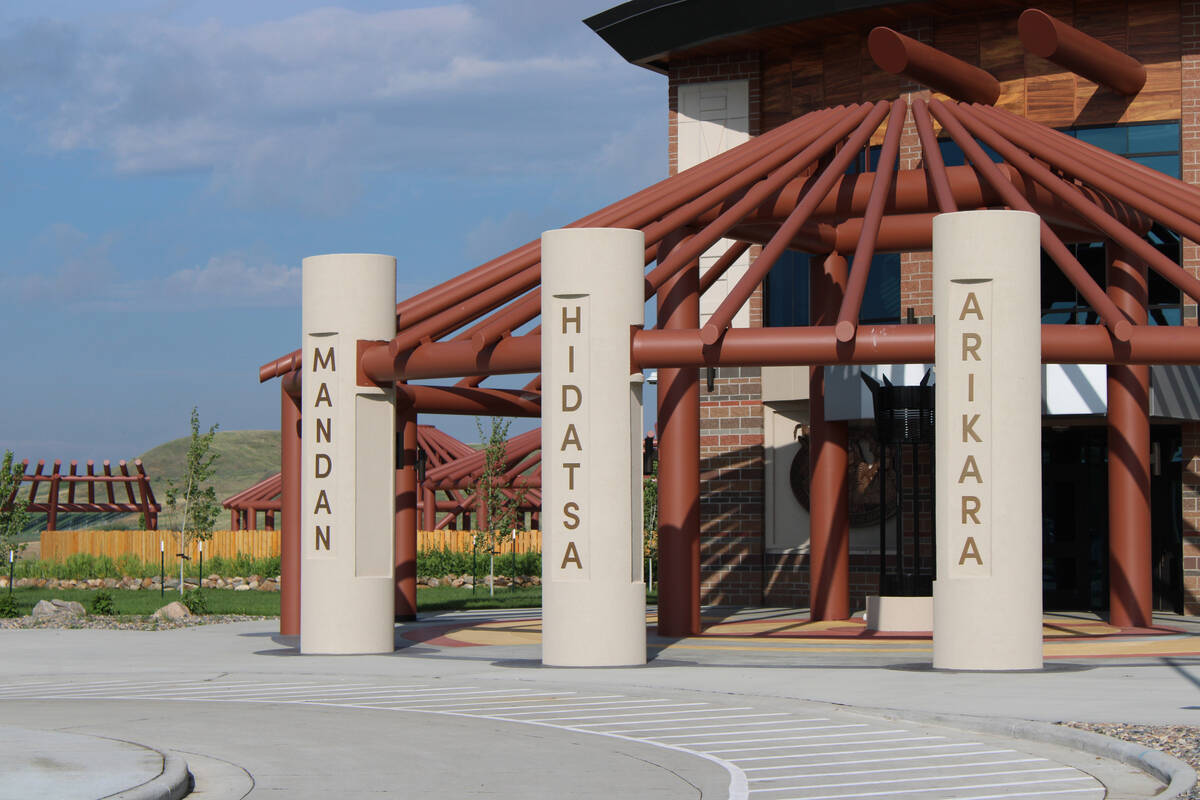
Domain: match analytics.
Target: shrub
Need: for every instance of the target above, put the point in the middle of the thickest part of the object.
(8, 606)
(129, 564)
(195, 602)
(436, 563)
(102, 603)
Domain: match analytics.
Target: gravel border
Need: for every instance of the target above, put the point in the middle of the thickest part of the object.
(1180, 741)
(121, 623)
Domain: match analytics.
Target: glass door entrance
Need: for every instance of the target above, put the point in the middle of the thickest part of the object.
(1075, 518)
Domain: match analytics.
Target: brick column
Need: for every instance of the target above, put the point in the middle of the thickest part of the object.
(1189, 123)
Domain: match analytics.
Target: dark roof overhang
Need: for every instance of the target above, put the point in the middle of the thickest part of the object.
(646, 32)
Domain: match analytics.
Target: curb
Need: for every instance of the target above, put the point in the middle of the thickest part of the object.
(1178, 776)
(173, 783)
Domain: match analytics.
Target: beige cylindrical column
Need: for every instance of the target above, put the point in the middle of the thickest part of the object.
(593, 592)
(987, 599)
(348, 459)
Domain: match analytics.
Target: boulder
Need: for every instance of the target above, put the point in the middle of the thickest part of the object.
(49, 608)
(174, 610)
(457, 582)
(44, 608)
(242, 587)
(433, 582)
(147, 583)
(267, 586)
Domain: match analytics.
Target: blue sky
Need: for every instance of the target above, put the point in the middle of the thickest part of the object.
(165, 166)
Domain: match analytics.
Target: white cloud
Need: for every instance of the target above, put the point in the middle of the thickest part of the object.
(81, 275)
(296, 111)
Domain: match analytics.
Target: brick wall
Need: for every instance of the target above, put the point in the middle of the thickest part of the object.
(1191, 517)
(731, 486)
(1189, 124)
(731, 436)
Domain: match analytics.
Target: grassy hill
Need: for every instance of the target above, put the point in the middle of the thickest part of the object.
(243, 459)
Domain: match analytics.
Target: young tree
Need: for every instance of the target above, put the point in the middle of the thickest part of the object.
(13, 514)
(650, 522)
(194, 503)
(499, 503)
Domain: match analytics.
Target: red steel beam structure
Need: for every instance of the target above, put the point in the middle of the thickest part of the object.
(1056, 41)
(829, 491)
(789, 189)
(405, 532)
(679, 460)
(289, 534)
(900, 55)
(1130, 584)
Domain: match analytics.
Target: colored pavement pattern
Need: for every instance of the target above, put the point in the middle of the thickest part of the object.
(1066, 636)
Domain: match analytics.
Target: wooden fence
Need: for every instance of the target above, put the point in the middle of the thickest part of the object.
(57, 545)
(460, 541)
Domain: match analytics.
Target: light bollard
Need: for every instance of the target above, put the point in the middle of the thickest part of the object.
(593, 591)
(987, 599)
(347, 496)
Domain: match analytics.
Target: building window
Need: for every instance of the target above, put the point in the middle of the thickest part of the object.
(1155, 145)
(787, 291)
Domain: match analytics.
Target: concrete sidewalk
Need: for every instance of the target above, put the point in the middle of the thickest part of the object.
(64, 766)
(713, 716)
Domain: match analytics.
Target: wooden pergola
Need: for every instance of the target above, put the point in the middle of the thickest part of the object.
(115, 495)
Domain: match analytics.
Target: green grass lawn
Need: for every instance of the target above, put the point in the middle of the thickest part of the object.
(139, 603)
(227, 601)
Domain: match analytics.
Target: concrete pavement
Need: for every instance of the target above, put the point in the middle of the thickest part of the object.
(717, 716)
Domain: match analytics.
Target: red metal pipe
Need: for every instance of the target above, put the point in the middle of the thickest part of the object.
(864, 248)
(722, 264)
(913, 193)
(829, 504)
(1177, 195)
(898, 54)
(1071, 268)
(684, 254)
(755, 163)
(453, 359)
(935, 167)
(654, 201)
(1130, 585)
(464, 400)
(289, 535)
(404, 572)
(679, 464)
(900, 344)
(517, 447)
(720, 319)
(666, 197)
(1111, 227)
(1071, 48)
(428, 509)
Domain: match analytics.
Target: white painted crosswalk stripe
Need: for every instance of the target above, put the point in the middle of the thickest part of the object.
(769, 755)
